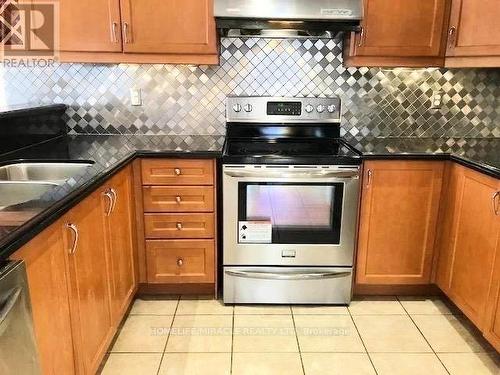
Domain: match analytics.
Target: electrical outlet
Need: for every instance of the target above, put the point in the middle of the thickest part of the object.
(135, 97)
(437, 100)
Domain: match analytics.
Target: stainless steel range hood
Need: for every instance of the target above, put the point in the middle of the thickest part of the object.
(287, 18)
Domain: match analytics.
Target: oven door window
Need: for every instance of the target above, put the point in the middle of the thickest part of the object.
(293, 213)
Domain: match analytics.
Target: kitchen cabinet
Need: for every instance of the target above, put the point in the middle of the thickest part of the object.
(133, 31)
(118, 211)
(99, 33)
(173, 26)
(44, 257)
(85, 242)
(469, 241)
(399, 33)
(492, 325)
(474, 34)
(177, 228)
(399, 210)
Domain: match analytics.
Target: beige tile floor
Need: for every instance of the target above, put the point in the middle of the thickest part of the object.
(374, 336)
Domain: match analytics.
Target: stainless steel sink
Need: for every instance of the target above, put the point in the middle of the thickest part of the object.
(48, 172)
(15, 192)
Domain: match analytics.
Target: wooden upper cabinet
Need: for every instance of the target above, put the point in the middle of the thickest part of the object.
(90, 26)
(89, 288)
(117, 208)
(470, 241)
(474, 31)
(169, 26)
(44, 257)
(399, 209)
(399, 33)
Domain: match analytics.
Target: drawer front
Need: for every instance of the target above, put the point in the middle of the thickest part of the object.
(178, 198)
(180, 261)
(177, 172)
(174, 226)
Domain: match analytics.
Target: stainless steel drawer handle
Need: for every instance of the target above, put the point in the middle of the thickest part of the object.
(125, 33)
(178, 226)
(180, 262)
(496, 203)
(74, 229)
(177, 171)
(369, 178)
(114, 33)
(9, 305)
(115, 198)
(288, 275)
(178, 199)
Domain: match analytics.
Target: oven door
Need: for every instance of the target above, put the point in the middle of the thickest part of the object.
(289, 215)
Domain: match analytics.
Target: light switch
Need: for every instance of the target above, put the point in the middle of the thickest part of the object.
(135, 97)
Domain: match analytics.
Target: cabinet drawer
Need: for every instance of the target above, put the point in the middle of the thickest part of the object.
(173, 226)
(178, 198)
(180, 261)
(177, 172)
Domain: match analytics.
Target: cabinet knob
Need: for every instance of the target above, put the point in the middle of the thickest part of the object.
(178, 199)
(180, 262)
(177, 171)
(179, 226)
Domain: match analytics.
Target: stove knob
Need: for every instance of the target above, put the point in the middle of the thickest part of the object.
(237, 107)
(332, 108)
(309, 108)
(320, 108)
(248, 108)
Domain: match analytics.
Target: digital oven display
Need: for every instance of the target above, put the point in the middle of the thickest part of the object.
(284, 108)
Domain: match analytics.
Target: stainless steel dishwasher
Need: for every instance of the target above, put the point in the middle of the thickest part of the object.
(18, 354)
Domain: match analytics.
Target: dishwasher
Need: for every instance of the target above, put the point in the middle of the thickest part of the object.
(18, 354)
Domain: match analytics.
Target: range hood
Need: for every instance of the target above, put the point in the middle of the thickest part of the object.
(287, 18)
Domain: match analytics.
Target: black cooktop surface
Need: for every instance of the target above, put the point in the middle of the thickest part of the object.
(290, 151)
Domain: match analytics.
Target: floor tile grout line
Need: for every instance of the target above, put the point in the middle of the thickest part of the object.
(425, 338)
(298, 343)
(232, 344)
(166, 342)
(363, 342)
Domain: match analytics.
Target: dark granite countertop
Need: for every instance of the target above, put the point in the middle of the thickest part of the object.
(20, 223)
(482, 154)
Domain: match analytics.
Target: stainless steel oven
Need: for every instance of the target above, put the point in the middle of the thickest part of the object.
(277, 215)
(290, 201)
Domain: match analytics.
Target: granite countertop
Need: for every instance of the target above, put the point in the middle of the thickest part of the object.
(482, 154)
(20, 223)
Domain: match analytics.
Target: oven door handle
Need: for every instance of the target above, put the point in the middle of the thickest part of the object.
(288, 275)
(285, 174)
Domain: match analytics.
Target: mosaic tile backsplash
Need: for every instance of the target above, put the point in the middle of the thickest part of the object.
(181, 99)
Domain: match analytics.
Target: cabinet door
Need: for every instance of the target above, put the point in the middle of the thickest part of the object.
(472, 244)
(399, 211)
(492, 327)
(47, 280)
(89, 289)
(169, 26)
(90, 26)
(118, 208)
(474, 28)
(398, 28)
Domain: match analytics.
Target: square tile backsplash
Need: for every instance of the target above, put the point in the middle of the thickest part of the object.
(180, 99)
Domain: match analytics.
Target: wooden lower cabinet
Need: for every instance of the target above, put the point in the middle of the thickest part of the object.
(89, 287)
(44, 257)
(399, 210)
(180, 261)
(118, 213)
(469, 243)
(491, 328)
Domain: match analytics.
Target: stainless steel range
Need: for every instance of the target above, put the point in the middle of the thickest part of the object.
(290, 202)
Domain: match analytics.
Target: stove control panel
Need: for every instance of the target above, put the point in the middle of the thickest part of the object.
(282, 109)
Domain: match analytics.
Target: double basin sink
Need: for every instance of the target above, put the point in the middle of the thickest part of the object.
(25, 181)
